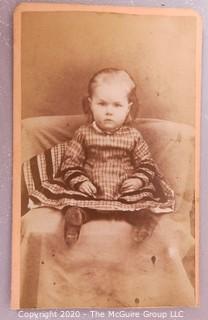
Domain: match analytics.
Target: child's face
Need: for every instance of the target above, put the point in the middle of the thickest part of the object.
(109, 105)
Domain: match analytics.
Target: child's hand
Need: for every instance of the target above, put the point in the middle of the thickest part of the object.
(88, 188)
(131, 184)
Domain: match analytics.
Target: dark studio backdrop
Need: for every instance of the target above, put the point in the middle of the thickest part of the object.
(61, 51)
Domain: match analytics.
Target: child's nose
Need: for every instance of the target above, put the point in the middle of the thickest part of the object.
(109, 109)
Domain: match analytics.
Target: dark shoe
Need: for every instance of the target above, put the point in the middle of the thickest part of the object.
(140, 233)
(74, 219)
(144, 226)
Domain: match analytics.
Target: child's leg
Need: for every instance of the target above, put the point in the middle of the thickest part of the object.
(74, 219)
(144, 223)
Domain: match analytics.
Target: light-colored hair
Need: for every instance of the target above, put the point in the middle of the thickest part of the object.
(109, 74)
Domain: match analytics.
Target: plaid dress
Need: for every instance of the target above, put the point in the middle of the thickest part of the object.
(106, 159)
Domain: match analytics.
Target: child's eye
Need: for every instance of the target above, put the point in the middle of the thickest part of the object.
(117, 104)
(102, 103)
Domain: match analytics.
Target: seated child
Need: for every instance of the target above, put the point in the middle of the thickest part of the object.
(107, 166)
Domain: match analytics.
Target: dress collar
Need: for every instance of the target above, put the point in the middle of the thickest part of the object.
(95, 126)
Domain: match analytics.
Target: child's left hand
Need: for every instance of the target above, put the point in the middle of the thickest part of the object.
(131, 184)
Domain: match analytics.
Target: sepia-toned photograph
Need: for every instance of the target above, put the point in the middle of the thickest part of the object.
(106, 157)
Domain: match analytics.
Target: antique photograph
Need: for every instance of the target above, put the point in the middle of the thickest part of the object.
(106, 157)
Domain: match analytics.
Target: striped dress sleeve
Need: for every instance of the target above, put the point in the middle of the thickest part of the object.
(143, 163)
(72, 166)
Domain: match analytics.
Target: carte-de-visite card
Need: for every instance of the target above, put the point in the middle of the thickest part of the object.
(106, 157)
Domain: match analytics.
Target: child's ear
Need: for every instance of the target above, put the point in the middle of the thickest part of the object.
(89, 100)
(130, 105)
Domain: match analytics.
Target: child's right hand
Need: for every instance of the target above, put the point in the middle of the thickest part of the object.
(88, 188)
